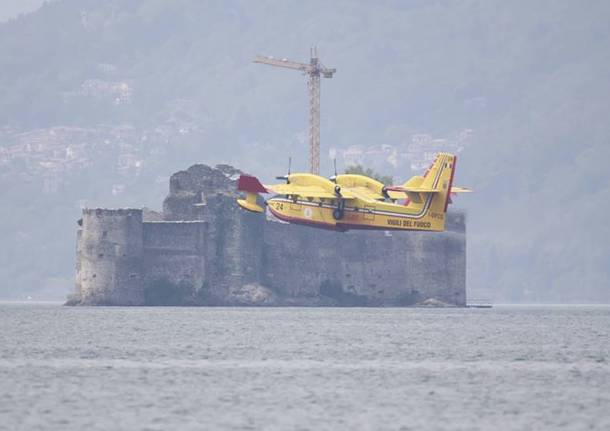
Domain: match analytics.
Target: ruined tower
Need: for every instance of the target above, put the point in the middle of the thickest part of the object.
(109, 267)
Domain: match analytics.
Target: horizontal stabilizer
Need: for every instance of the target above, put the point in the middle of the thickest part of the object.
(412, 192)
(412, 189)
(455, 189)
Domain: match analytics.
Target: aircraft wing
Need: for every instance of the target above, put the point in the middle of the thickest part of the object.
(251, 184)
(304, 191)
(394, 192)
(363, 193)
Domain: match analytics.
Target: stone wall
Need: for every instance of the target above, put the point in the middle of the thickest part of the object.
(174, 252)
(234, 245)
(365, 267)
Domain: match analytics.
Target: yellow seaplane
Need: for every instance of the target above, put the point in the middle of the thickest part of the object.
(358, 202)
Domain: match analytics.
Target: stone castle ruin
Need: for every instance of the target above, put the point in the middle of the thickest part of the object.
(204, 250)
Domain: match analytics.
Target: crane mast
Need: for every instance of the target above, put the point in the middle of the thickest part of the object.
(314, 69)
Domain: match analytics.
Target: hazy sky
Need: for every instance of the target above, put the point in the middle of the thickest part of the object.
(12, 8)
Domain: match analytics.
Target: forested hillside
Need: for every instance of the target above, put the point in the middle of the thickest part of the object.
(100, 101)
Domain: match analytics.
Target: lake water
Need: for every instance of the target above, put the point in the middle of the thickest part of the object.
(507, 368)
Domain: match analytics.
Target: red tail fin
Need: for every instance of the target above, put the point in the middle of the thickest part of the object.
(250, 184)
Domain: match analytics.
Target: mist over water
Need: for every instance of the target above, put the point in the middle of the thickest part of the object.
(508, 368)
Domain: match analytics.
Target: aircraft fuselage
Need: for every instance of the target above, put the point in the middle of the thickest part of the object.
(337, 215)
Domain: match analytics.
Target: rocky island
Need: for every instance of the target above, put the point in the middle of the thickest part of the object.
(204, 250)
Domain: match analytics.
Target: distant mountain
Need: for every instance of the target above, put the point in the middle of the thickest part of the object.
(100, 101)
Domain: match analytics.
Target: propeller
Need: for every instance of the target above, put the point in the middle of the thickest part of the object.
(286, 177)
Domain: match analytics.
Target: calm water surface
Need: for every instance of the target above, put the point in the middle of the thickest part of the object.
(508, 368)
